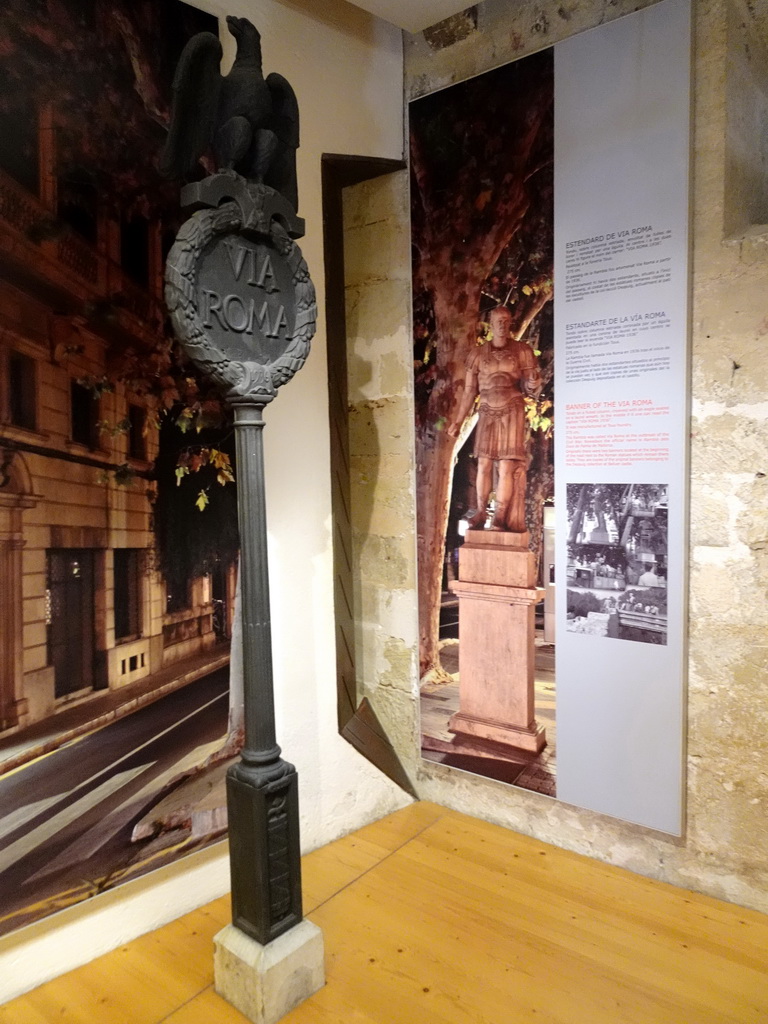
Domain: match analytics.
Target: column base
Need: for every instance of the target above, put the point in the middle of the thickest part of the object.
(532, 738)
(266, 982)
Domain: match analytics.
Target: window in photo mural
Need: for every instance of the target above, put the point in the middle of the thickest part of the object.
(482, 231)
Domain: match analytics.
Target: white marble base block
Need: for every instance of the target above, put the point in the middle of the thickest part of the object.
(267, 982)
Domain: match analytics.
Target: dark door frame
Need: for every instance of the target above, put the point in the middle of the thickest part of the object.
(358, 723)
(71, 641)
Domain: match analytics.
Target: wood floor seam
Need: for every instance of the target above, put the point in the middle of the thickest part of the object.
(378, 863)
(177, 1009)
(465, 923)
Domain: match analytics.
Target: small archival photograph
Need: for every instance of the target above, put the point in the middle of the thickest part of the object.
(617, 561)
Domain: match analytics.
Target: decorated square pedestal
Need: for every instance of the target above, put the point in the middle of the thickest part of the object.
(497, 598)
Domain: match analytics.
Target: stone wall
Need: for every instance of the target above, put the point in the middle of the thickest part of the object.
(724, 850)
(380, 374)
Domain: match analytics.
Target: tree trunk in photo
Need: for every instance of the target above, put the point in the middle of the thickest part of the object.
(476, 157)
(578, 515)
(433, 489)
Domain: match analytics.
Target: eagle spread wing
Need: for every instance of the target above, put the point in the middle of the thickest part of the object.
(196, 89)
(285, 110)
(284, 122)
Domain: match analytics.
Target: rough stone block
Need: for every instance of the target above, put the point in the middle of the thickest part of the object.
(376, 201)
(266, 982)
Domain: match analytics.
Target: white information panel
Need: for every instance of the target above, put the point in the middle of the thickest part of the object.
(622, 126)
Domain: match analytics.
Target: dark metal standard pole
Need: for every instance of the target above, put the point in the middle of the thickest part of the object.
(262, 790)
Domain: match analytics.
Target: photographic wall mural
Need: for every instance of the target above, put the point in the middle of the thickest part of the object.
(118, 534)
(550, 295)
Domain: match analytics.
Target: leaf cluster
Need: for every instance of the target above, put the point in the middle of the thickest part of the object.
(193, 460)
(193, 478)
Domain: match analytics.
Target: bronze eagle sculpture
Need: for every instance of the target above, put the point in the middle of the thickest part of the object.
(250, 123)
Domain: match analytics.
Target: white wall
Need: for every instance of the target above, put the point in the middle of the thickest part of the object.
(346, 68)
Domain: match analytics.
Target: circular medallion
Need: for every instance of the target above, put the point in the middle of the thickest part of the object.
(241, 301)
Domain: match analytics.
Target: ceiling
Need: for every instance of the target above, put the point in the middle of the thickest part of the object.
(416, 15)
(413, 15)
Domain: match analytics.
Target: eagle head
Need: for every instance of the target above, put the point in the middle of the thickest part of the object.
(241, 28)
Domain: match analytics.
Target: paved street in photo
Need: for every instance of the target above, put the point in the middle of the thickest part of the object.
(66, 818)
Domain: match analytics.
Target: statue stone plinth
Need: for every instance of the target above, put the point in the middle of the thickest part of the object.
(497, 595)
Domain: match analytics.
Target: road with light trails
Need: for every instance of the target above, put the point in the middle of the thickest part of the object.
(66, 819)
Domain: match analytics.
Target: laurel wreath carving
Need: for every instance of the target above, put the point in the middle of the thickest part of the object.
(243, 380)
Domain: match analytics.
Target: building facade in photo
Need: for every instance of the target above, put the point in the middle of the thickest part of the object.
(82, 607)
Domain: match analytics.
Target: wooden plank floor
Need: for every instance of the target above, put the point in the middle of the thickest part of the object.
(431, 917)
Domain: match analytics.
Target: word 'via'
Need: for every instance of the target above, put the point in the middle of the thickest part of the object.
(261, 274)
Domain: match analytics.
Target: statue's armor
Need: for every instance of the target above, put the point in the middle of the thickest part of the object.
(503, 379)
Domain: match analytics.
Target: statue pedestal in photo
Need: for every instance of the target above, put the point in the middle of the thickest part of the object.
(497, 598)
(266, 982)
